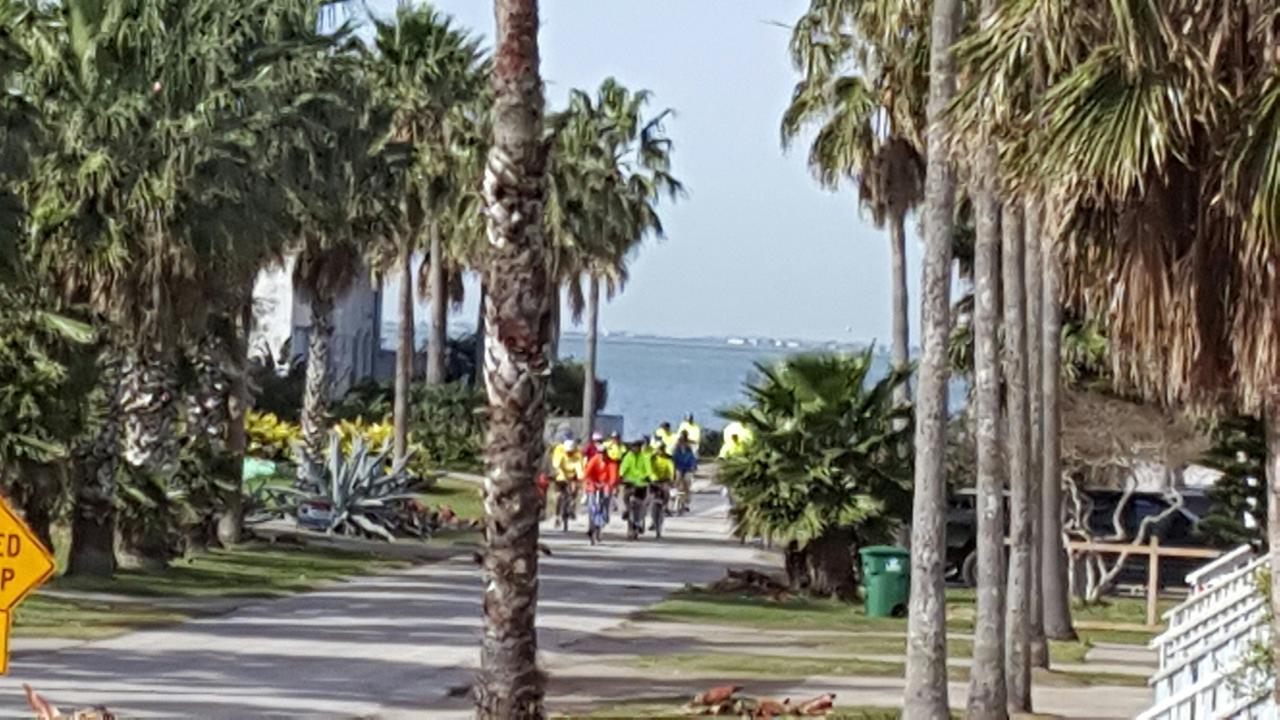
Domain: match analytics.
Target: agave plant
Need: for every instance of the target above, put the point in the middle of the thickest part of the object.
(359, 493)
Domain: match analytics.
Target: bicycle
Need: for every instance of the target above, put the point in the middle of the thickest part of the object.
(566, 497)
(636, 506)
(597, 514)
(658, 507)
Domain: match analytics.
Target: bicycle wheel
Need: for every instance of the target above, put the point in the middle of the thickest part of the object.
(659, 516)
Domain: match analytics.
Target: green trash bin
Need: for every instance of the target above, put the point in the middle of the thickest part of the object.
(886, 577)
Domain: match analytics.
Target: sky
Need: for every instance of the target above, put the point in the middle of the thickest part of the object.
(756, 248)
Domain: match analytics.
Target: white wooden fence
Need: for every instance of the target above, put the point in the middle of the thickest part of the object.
(1202, 673)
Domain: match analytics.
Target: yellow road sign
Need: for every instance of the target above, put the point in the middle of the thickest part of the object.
(24, 565)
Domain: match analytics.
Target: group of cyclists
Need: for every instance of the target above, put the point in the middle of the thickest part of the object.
(655, 475)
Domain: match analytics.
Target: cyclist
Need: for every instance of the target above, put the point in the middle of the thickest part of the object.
(664, 435)
(614, 451)
(686, 462)
(663, 471)
(636, 474)
(691, 430)
(595, 446)
(598, 488)
(568, 469)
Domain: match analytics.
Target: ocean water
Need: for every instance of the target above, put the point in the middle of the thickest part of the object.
(657, 379)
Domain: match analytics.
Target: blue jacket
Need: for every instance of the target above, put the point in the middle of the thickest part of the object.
(686, 460)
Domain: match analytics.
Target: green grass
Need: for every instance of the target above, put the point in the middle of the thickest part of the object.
(798, 667)
(1118, 610)
(743, 665)
(465, 498)
(798, 613)
(254, 570)
(49, 617)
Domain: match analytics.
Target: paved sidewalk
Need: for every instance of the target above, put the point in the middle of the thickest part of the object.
(406, 644)
(385, 646)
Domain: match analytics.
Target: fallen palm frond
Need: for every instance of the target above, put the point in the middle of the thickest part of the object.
(724, 701)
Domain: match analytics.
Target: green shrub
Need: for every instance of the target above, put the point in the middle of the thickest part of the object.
(447, 425)
(564, 390)
(828, 468)
(369, 400)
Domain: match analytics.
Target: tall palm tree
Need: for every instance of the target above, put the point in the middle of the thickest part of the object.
(988, 691)
(610, 165)
(342, 203)
(433, 74)
(510, 686)
(1007, 64)
(140, 190)
(862, 84)
(1017, 626)
(1053, 556)
(1033, 277)
(926, 679)
(1159, 127)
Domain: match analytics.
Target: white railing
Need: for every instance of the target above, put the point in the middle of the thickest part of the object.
(1213, 597)
(1207, 575)
(1202, 673)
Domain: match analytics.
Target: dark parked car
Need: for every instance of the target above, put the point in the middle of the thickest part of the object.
(1177, 530)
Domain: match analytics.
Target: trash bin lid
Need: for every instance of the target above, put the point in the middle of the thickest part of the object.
(884, 551)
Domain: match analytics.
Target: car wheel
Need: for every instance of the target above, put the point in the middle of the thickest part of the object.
(969, 570)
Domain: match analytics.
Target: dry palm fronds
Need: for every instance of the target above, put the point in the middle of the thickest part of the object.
(46, 710)
(751, 582)
(724, 701)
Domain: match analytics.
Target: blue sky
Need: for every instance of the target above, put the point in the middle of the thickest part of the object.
(756, 248)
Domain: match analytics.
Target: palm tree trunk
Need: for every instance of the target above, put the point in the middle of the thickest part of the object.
(208, 423)
(231, 522)
(1018, 627)
(404, 355)
(510, 685)
(149, 411)
(93, 526)
(1272, 419)
(439, 311)
(478, 380)
(589, 369)
(40, 491)
(901, 323)
(988, 694)
(553, 343)
(926, 679)
(1053, 564)
(1035, 405)
(315, 394)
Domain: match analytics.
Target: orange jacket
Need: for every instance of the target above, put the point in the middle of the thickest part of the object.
(600, 474)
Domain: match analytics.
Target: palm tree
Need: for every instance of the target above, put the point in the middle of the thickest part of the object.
(510, 686)
(1053, 556)
(988, 691)
(342, 202)
(1033, 274)
(1006, 75)
(141, 186)
(825, 473)
(1159, 131)
(432, 73)
(926, 679)
(1017, 627)
(862, 85)
(609, 167)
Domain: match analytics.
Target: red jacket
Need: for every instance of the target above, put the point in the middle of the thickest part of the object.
(598, 474)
